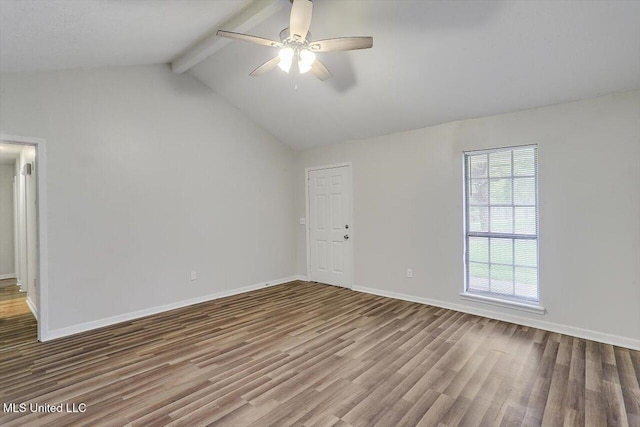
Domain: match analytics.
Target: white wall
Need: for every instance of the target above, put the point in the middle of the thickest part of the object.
(6, 221)
(28, 156)
(408, 211)
(150, 175)
(20, 234)
(26, 249)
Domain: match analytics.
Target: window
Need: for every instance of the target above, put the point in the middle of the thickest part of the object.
(501, 216)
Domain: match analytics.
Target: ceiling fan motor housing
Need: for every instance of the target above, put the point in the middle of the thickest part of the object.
(285, 38)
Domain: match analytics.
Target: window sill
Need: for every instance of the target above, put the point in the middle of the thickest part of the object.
(531, 308)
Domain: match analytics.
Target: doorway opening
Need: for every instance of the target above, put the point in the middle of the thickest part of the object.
(19, 243)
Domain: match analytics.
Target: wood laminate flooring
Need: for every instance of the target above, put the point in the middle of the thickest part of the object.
(17, 324)
(316, 355)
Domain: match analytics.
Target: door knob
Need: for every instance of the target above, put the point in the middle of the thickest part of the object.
(346, 237)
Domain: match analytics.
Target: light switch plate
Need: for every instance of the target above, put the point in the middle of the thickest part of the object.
(303, 221)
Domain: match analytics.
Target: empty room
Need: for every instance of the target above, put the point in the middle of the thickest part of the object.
(320, 213)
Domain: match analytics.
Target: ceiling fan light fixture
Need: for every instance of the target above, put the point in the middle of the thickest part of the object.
(307, 58)
(286, 59)
(296, 44)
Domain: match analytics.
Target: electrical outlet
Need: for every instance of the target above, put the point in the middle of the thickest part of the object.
(409, 273)
(194, 276)
(303, 221)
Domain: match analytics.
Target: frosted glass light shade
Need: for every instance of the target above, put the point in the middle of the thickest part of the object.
(286, 59)
(307, 58)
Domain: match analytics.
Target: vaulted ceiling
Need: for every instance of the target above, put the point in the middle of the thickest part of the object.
(60, 34)
(432, 61)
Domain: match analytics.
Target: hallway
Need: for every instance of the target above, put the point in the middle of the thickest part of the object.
(17, 324)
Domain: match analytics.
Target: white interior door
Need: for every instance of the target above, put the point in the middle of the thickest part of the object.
(330, 226)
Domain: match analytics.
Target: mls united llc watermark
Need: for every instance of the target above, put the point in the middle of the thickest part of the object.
(67, 408)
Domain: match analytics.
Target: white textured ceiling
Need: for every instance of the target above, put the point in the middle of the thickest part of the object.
(433, 62)
(56, 34)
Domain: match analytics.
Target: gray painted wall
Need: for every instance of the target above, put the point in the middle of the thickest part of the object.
(408, 211)
(150, 175)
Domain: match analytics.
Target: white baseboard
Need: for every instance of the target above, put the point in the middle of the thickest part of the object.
(32, 307)
(302, 278)
(95, 324)
(540, 324)
(7, 276)
(22, 288)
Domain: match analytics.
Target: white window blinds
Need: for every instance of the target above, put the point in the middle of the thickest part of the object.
(501, 213)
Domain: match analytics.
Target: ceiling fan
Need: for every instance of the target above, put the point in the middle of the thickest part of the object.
(297, 51)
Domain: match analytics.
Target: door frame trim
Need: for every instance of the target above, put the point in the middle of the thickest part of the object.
(351, 281)
(41, 210)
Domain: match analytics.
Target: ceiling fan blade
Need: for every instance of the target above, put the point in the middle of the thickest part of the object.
(300, 19)
(342, 43)
(248, 38)
(320, 71)
(267, 66)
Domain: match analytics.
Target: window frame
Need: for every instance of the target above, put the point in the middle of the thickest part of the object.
(494, 298)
